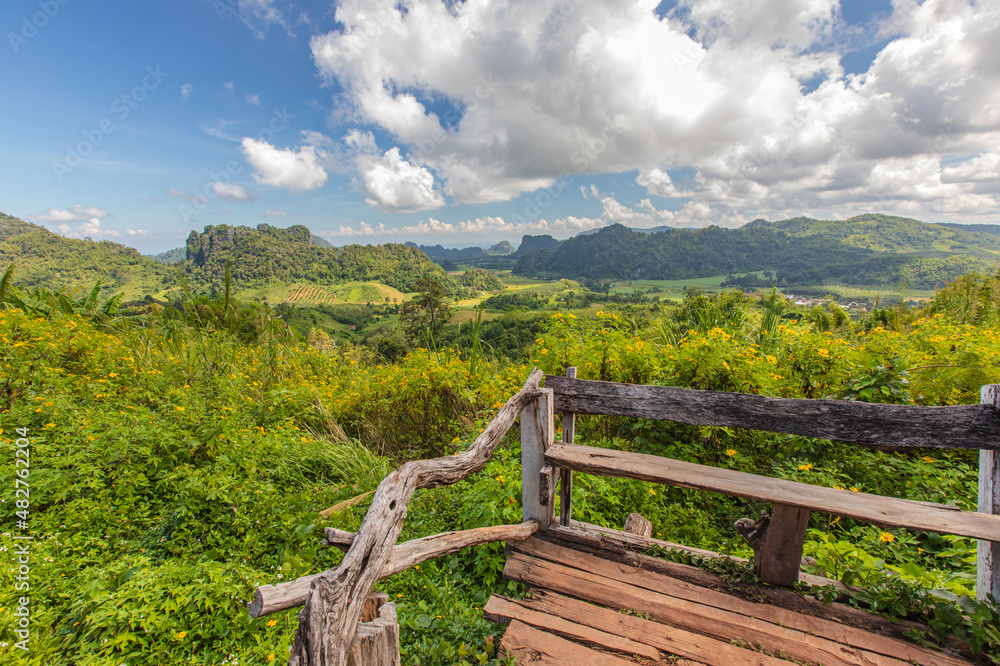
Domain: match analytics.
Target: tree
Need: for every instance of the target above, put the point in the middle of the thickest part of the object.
(426, 315)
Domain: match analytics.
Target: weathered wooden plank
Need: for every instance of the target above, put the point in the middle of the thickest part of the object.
(537, 433)
(778, 560)
(637, 524)
(689, 615)
(538, 550)
(666, 638)
(502, 610)
(862, 506)
(566, 475)
(273, 598)
(888, 426)
(537, 648)
(988, 553)
(328, 622)
(615, 546)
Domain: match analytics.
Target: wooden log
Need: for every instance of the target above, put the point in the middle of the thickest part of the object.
(778, 560)
(503, 610)
(661, 636)
(988, 553)
(537, 648)
(862, 506)
(535, 553)
(273, 598)
(566, 475)
(537, 433)
(329, 620)
(377, 641)
(883, 426)
(637, 524)
(693, 616)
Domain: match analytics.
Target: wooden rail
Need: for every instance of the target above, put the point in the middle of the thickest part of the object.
(884, 426)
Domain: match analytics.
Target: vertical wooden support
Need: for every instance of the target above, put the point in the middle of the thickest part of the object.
(988, 552)
(780, 555)
(566, 475)
(537, 433)
(377, 639)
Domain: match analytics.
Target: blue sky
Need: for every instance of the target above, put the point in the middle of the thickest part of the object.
(469, 123)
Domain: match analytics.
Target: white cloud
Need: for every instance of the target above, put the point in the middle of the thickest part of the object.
(272, 212)
(229, 85)
(233, 192)
(77, 212)
(186, 90)
(88, 229)
(252, 99)
(392, 184)
(294, 170)
(551, 87)
(137, 232)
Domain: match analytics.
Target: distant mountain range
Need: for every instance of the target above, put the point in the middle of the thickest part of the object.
(864, 250)
(871, 250)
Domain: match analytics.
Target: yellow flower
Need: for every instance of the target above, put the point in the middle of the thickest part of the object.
(886, 537)
(823, 352)
(651, 491)
(806, 467)
(927, 459)
(272, 623)
(730, 452)
(270, 657)
(771, 359)
(180, 409)
(182, 634)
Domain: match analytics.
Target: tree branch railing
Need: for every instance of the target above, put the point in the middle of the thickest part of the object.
(334, 599)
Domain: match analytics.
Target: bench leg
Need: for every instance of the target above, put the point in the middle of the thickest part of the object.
(778, 559)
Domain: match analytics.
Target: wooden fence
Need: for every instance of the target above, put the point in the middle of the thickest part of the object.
(342, 623)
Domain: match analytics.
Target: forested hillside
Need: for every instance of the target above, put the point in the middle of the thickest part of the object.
(873, 250)
(270, 254)
(47, 259)
(258, 257)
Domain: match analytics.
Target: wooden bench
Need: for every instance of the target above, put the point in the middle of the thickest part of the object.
(583, 575)
(684, 611)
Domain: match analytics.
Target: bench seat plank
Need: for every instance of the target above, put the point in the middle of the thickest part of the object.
(875, 509)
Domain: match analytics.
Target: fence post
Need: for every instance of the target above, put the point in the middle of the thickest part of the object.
(537, 433)
(566, 475)
(988, 552)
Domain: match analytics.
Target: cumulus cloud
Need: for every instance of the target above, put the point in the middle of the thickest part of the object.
(296, 170)
(751, 96)
(273, 212)
(252, 99)
(233, 192)
(77, 212)
(186, 90)
(393, 184)
(88, 229)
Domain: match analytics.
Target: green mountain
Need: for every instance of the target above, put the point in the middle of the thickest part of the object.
(868, 250)
(174, 256)
(887, 233)
(269, 254)
(50, 260)
(260, 257)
